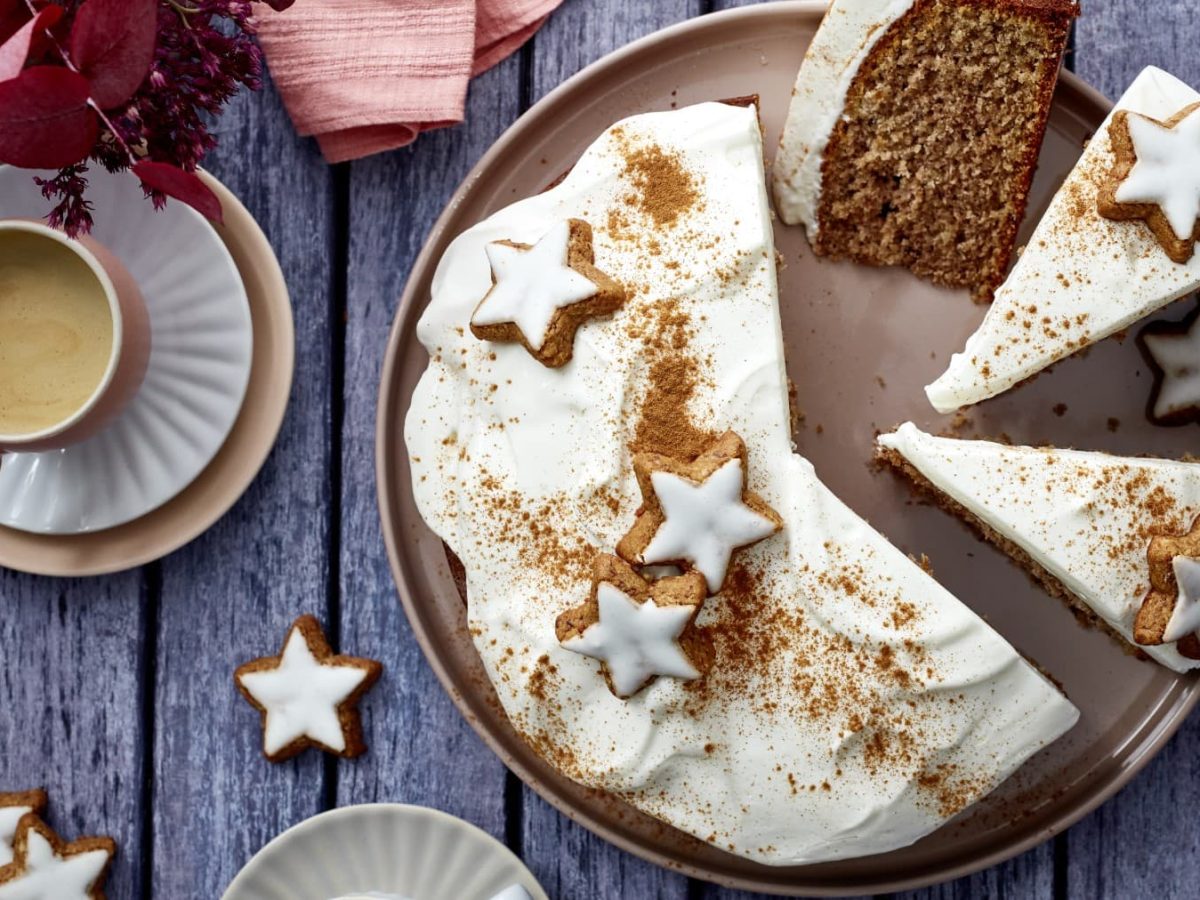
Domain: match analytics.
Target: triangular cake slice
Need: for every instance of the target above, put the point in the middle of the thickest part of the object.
(1082, 523)
(842, 703)
(1082, 276)
(914, 131)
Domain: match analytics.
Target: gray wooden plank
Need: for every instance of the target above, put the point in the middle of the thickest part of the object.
(1117, 852)
(424, 751)
(230, 596)
(570, 861)
(71, 667)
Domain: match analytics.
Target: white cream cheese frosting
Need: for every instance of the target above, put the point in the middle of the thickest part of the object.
(847, 35)
(851, 705)
(1081, 278)
(1086, 518)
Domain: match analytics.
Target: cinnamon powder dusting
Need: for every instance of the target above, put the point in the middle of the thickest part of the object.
(663, 188)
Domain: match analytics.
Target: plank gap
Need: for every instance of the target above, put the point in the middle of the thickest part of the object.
(514, 814)
(339, 289)
(1061, 876)
(152, 582)
(525, 77)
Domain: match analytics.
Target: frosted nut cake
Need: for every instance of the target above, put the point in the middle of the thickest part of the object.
(1114, 536)
(793, 688)
(914, 130)
(1093, 267)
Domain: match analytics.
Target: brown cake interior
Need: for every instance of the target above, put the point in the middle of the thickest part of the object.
(930, 166)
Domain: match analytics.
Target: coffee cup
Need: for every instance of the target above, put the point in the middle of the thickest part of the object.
(74, 337)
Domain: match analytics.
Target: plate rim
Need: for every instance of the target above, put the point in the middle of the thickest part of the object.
(244, 238)
(322, 819)
(390, 411)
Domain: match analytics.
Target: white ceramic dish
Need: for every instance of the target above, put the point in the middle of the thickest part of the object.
(195, 384)
(384, 848)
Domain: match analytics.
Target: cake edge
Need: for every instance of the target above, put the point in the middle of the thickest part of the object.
(1084, 614)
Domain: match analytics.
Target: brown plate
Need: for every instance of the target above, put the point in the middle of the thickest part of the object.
(861, 343)
(194, 510)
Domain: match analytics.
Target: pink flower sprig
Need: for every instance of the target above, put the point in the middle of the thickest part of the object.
(128, 84)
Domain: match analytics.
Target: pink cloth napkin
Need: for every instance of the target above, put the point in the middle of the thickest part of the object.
(364, 76)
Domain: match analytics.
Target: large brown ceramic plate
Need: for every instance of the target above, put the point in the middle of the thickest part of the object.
(860, 343)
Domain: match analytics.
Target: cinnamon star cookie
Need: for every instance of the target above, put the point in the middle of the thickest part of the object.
(696, 514)
(1170, 611)
(45, 867)
(634, 627)
(1157, 178)
(14, 807)
(308, 696)
(541, 294)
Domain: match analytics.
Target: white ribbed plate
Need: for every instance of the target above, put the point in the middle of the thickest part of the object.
(386, 848)
(195, 384)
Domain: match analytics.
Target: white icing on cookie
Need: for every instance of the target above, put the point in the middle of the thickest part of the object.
(636, 641)
(1167, 172)
(704, 523)
(532, 285)
(1178, 355)
(1185, 617)
(48, 876)
(301, 697)
(9, 817)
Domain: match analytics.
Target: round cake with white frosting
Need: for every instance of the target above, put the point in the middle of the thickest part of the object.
(768, 673)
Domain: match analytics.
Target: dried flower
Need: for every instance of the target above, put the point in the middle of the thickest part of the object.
(128, 84)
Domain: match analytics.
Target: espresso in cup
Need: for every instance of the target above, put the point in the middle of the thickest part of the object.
(56, 332)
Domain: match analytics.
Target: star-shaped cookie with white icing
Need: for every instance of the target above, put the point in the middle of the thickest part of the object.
(1157, 178)
(634, 627)
(696, 513)
(1173, 351)
(1170, 613)
(541, 294)
(45, 867)
(308, 696)
(13, 808)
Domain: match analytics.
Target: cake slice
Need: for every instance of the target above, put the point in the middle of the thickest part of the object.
(803, 691)
(1083, 524)
(914, 131)
(1083, 276)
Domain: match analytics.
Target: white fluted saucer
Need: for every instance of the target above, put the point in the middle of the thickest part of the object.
(195, 383)
(387, 849)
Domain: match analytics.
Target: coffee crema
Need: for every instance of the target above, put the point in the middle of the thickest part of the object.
(56, 333)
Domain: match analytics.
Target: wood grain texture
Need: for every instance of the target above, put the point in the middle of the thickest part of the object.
(230, 596)
(1145, 842)
(422, 750)
(71, 667)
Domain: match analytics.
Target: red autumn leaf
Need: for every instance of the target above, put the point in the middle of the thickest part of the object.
(27, 41)
(45, 120)
(112, 44)
(186, 186)
(280, 5)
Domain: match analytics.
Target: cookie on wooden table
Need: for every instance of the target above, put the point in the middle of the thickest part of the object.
(14, 807)
(308, 695)
(45, 867)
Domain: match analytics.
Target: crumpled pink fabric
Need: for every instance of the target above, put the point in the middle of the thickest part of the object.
(364, 76)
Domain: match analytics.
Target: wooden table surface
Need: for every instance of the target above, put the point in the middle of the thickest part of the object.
(116, 693)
